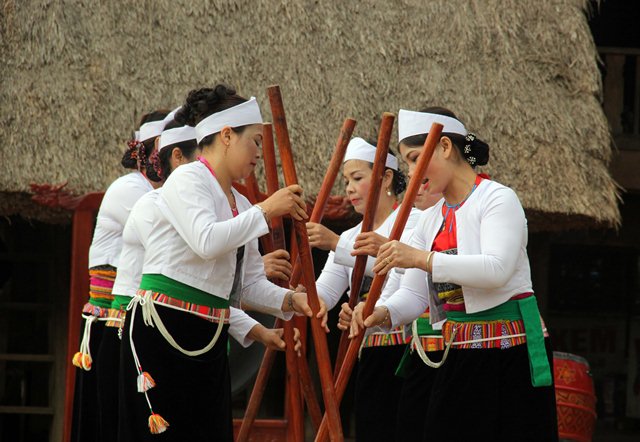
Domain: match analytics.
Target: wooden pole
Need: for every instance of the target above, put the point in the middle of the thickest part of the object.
(81, 236)
(377, 174)
(319, 336)
(327, 183)
(378, 281)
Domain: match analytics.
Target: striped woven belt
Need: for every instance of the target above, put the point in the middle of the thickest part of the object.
(100, 285)
(501, 334)
(116, 317)
(430, 343)
(395, 337)
(94, 310)
(210, 314)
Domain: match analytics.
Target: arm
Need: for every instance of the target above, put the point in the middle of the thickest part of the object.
(188, 204)
(257, 292)
(240, 325)
(502, 235)
(333, 282)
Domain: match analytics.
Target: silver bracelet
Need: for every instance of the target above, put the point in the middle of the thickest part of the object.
(264, 212)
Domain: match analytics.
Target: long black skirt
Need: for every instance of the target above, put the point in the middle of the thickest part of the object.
(377, 393)
(86, 418)
(486, 394)
(414, 397)
(107, 366)
(193, 394)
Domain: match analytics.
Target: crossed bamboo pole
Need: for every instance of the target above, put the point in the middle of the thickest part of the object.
(377, 174)
(319, 337)
(378, 281)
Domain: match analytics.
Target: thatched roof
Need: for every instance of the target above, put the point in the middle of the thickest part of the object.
(523, 75)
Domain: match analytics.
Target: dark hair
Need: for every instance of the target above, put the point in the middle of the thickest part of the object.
(137, 154)
(399, 181)
(471, 148)
(159, 164)
(203, 102)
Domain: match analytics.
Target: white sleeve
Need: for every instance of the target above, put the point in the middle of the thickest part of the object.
(332, 282)
(391, 286)
(343, 255)
(411, 299)
(258, 293)
(502, 232)
(187, 204)
(240, 324)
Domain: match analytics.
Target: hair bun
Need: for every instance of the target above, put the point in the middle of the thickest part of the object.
(475, 151)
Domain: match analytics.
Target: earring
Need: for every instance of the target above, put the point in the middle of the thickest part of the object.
(388, 192)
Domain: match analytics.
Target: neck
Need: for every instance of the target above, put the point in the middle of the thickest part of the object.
(460, 186)
(385, 207)
(217, 164)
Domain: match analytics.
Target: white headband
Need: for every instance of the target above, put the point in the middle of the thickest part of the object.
(176, 135)
(239, 115)
(136, 135)
(412, 123)
(359, 149)
(151, 130)
(171, 115)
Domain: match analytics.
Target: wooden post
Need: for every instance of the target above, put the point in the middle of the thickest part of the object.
(319, 337)
(377, 174)
(81, 236)
(378, 281)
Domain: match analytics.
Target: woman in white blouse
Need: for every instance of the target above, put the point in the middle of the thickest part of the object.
(381, 351)
(201, 257)
(467, 261)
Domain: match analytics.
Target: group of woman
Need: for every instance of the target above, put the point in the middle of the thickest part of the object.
(455, 348)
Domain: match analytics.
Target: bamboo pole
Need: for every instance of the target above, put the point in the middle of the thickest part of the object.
(319, 336)
(377, 174)
(327, 183)
(378, 281)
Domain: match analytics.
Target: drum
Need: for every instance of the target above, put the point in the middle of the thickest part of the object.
(575, 397)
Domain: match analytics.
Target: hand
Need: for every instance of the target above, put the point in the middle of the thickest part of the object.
(397, 254)
(321, 237)
(368, 243)
(296, 302)
(344, 317)
(377, 318)
(286, 201)
(273, 338)
(277, 265)
(323, 314)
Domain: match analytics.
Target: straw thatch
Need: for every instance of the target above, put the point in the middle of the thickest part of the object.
(523, 75)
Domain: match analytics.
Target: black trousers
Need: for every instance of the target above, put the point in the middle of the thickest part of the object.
(414, 397)
(193, 394)
(486, 395)
(377, 393)
(85, 426)
(107, 366)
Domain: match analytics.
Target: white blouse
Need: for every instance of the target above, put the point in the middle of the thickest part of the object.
(336, 274)
(118, 200)
(194, 239)
(134, 241)
(491, 265)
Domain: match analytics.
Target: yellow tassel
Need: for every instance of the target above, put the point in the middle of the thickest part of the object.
(145, 382)
(77, 360)
(82, 360)
(157, 424)
(86, 362)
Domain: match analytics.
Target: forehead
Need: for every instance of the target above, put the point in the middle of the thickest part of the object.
(406, 150)
(352, 166)
(253, 129)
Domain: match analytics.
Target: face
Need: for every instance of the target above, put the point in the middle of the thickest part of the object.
(357, 179)
(424, 199)
(244, 150)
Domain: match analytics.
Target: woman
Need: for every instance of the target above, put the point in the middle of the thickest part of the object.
(467, 261)
(93, 397)
(381, 351)
(201, 257)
